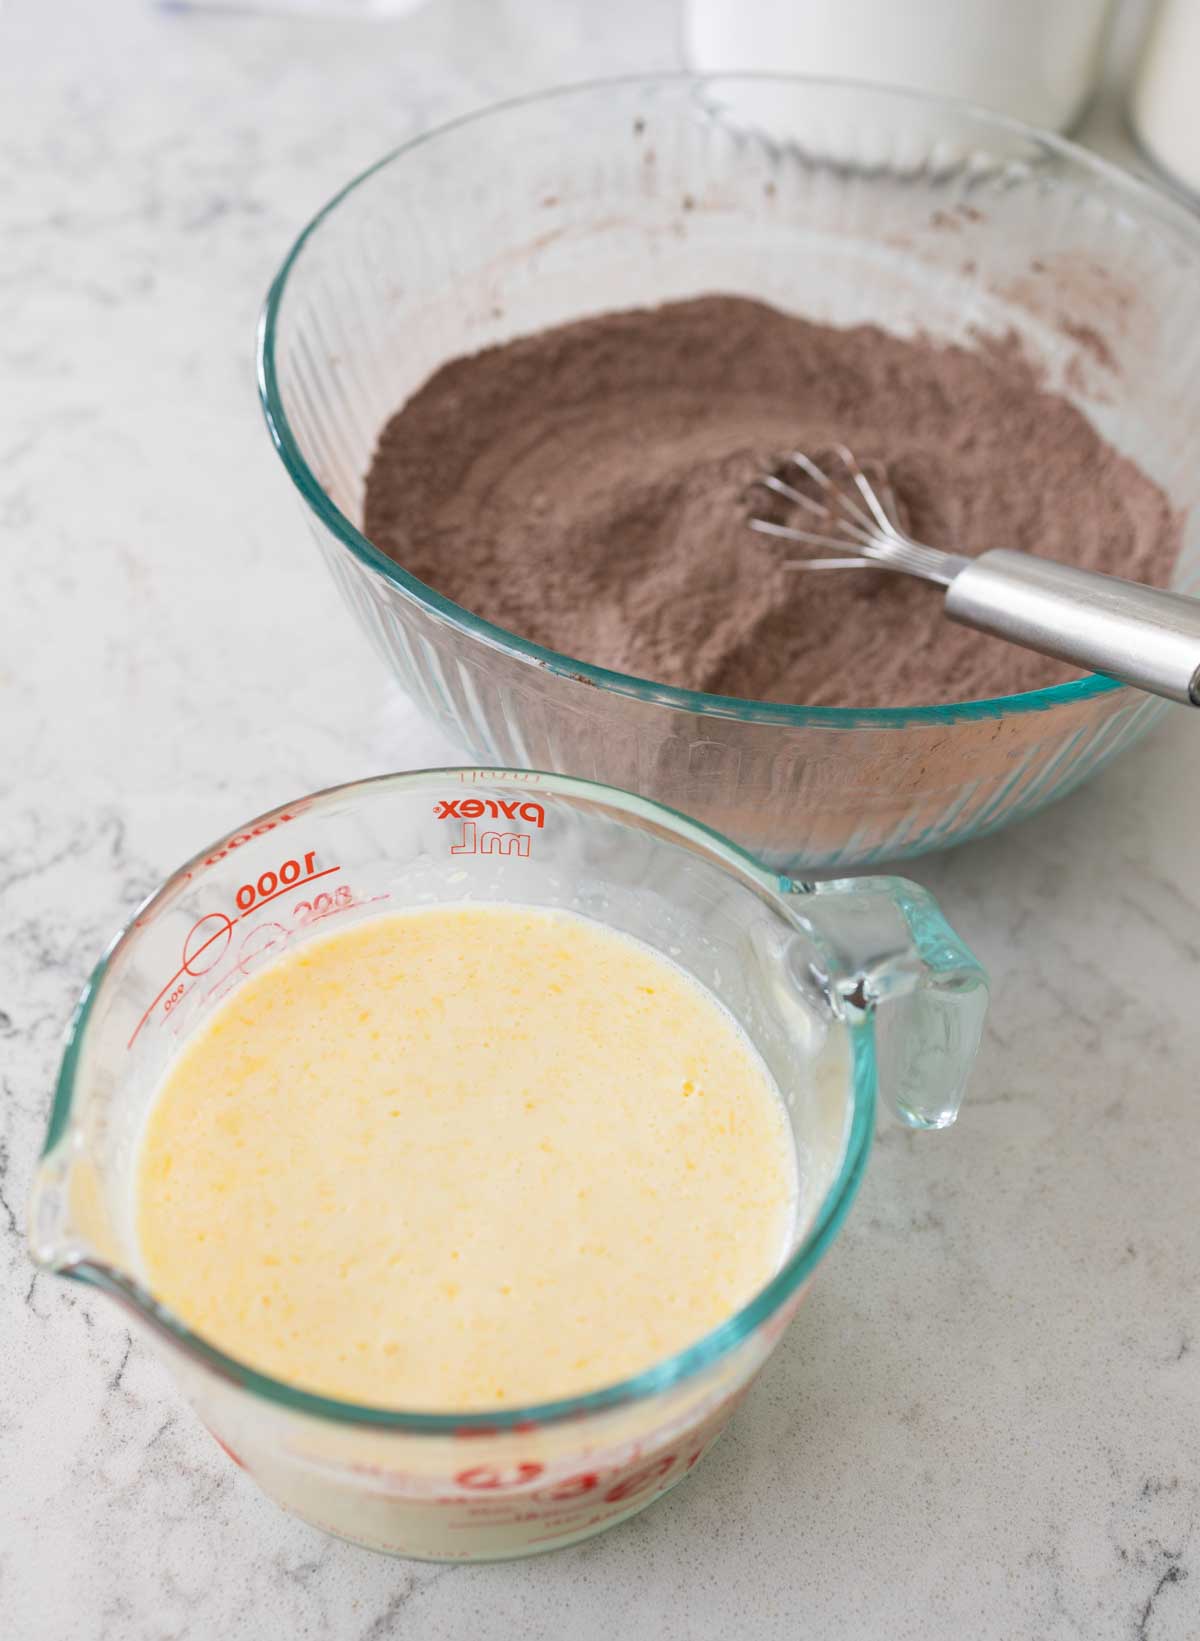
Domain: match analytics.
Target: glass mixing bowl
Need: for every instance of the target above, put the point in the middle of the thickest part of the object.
(843, 202)
(809, 970)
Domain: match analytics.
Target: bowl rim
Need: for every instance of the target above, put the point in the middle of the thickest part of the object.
(1090, 686)
(714, 1346)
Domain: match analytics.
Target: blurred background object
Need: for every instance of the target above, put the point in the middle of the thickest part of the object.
(1033, 59)
(333, 8)
(1166, 108)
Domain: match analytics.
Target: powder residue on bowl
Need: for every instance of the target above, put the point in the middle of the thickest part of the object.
(588, 488)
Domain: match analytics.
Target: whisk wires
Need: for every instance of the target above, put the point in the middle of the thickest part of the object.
(859, 521)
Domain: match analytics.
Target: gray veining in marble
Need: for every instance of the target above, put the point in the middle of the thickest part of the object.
(986, 1422)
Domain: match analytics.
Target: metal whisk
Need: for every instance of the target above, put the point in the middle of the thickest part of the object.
(1140, 635)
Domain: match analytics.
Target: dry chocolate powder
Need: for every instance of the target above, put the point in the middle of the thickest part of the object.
(588, 488)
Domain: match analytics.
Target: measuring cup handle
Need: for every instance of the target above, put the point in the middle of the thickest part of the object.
(894, 959)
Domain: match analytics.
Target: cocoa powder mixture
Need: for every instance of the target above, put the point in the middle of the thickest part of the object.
(588, 488)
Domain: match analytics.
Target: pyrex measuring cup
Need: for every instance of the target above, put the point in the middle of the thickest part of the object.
(803, 967)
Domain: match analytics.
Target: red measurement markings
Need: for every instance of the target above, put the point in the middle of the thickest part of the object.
(486, 1477)
(222, 932)
(221, 925)
(263, 938)
(239, 838)
(252, 905)
(226, 1449)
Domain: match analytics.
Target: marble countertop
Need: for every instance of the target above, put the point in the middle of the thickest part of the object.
(986, 1422)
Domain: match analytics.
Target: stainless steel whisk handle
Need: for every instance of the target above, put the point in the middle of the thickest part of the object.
(1137, 634)
(1140, 635)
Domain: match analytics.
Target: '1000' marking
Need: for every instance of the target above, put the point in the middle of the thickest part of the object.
(208, 939)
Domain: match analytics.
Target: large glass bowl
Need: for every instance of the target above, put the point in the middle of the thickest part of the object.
(843, 202)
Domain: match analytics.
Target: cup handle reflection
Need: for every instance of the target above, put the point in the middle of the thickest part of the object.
(892, 955)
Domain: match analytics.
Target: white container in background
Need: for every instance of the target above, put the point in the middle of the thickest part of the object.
(1035, 59)
(1166, 93)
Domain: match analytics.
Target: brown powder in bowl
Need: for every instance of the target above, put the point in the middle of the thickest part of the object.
(587, 487)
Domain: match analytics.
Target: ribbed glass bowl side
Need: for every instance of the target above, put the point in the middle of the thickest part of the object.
(804, 795)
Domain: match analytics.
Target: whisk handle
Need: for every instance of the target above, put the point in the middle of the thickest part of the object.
(1144, 637)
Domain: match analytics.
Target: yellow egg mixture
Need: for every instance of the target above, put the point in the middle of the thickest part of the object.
(464, 1157)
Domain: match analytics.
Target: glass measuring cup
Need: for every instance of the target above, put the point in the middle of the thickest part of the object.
(804, 967)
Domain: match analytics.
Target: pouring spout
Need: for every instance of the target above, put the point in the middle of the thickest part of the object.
(66, 1219)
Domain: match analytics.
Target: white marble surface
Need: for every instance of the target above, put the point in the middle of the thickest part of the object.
(986, 1422)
